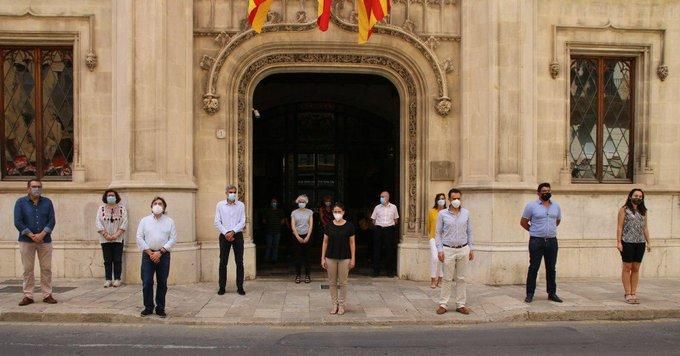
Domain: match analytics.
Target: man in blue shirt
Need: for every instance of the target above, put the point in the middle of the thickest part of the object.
(34, 218)
(541, 218)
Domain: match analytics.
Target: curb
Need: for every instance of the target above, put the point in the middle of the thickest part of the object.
(522, 316)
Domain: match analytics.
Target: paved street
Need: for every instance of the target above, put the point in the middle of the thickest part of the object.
(563, 338)
(374, 301)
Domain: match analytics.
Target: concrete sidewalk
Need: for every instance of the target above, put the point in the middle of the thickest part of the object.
(371, 301)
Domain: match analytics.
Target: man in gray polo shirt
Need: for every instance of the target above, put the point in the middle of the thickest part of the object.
(541, 218)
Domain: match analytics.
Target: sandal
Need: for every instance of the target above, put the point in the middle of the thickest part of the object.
(297, 279)
(629, 300)
(635, 300)
(308, 279)
(433, 283)
(341, 310)
(335, 309)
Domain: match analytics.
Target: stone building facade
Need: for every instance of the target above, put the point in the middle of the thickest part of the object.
(490, 97)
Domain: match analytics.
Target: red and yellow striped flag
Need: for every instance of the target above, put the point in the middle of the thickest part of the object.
(257, 13)
(371, 12)
(324, 14)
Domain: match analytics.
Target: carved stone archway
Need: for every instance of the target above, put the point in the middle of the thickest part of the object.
(378, 64)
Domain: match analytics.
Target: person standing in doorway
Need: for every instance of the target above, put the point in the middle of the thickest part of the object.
(156, 235)
(632, 237)
(453, 237)
(302, 226)
(436, 266)
(112, 223)
(326, 211)
(34, 218)
(338, 256)
(541, 218)
(230, 220)
(273, 218)
(385, 217)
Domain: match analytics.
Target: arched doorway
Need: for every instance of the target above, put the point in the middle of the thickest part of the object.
(323, 134)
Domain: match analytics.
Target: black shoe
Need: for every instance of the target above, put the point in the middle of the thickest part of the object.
(221, 291)
(161, 313)
(529, 299)
(241, 292)
(146, 312)
(555, 298)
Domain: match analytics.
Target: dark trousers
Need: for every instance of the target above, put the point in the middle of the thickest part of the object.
(539, 248)
(385, 249)
(113, 260)
(225, 247)
(162, 270)
(301, 256)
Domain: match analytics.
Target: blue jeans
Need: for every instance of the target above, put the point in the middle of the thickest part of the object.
(162, 270)
(272, 252)
(542, 248)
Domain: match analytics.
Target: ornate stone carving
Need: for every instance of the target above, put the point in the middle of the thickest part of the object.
(301, 16)
(662, 72)
(432, 42)
(222, 38)
(554, 68)
(243, 24)
(274, 17)
(353, 17)
(91, 60)
(211, 103)
(206, 62)
(409, 26)
(372, 61)
(447, 65)
(439, 2)
(443, 106)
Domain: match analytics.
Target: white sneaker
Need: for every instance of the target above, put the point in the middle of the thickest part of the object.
(116, 283)
(107, 284)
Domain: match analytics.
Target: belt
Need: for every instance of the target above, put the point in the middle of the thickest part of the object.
(461, 246)
(543, 237)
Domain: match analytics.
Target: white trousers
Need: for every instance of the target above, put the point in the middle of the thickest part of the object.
(436, 266)
(455, 270)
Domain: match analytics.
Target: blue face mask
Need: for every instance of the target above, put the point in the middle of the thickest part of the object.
(110, 199)
(231, 196)
(274, 205)
(382, 200)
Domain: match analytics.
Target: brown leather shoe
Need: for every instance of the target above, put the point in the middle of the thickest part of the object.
(463, 310)
(441, 310)
(50, 300)
(25, 301)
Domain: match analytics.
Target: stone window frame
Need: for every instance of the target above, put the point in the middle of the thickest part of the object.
(39, 120)
(641, 53)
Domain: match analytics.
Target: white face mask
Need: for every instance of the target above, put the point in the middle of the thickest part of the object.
(455, 203)
(231, 196)
(338, 216)
(157, 209)
(441, 202)
(327, 203)
(302, 205)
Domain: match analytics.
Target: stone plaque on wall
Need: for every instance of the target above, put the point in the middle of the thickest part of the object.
(442, 170)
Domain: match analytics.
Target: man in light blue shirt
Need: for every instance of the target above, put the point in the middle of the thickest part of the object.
(453, 238)
(230, 220)
(541, 218)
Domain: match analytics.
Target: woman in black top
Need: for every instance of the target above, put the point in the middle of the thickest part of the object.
(338, 256)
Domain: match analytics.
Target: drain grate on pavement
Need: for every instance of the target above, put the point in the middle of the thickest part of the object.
(20, 289)
(324, 286)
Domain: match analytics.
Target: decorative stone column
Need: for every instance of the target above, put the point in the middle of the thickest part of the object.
(153, 122)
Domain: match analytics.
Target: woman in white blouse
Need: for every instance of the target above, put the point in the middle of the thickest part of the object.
(112, 223)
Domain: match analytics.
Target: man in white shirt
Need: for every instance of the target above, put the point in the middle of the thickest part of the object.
(156, 235)
(385, 239)
(230, 220)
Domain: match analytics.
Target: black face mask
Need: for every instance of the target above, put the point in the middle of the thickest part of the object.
(636, 201)
(546, 196)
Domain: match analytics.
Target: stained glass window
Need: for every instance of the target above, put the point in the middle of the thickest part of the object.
(36, 112)
(601, 119)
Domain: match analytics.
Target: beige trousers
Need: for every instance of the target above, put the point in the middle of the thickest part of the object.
(28, 251)
(455, 270)
(338, 271)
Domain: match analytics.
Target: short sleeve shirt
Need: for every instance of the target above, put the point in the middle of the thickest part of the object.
(384, 216)
(301, 218)
(338, 240)
(543, 220)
